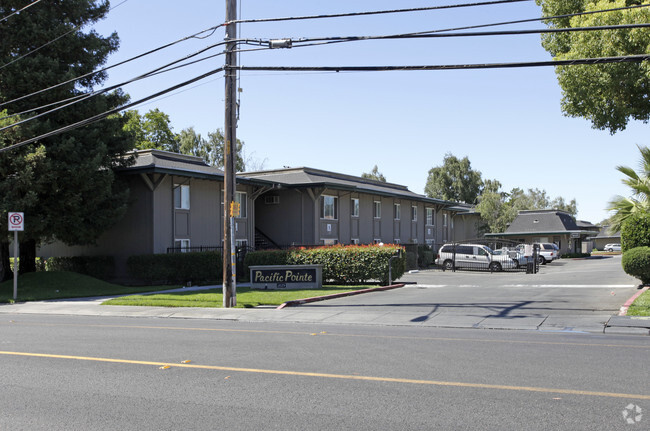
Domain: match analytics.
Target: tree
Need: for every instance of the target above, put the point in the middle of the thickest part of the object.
(639, 183)
(374, 175)
(216, 141)
(65, 184)
(608, 95)
(455, 180)
(153, 130)
(498, 209)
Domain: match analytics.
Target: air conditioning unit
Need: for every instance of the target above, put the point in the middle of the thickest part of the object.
(272, 199)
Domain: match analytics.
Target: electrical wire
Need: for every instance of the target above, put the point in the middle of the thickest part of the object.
(19, 10)
(341, 15)
(599, 60)
(144, 54)
(86, 96)
(53, 40)
(105, 114)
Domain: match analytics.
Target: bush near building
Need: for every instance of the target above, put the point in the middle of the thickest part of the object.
(636, 262)
(350, 264)
(194, 268)
(635, 232)
(101, 267)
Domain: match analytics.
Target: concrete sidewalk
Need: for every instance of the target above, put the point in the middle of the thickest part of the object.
(590, 323)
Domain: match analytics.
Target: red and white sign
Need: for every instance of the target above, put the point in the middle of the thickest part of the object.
(16, 222)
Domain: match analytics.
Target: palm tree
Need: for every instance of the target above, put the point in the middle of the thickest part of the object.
(639, 182)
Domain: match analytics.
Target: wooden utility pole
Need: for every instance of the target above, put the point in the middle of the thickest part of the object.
(230, 155)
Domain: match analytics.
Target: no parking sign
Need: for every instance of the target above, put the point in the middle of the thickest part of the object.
(16, 222)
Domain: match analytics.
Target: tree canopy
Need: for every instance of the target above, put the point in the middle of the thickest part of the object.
(455, 181)
(65, 184)
(609, 95)
(374, 174)
(151, 130)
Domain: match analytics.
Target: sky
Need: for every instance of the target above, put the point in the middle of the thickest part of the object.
(508, 122)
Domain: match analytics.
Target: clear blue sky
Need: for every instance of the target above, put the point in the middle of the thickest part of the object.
(508, 122)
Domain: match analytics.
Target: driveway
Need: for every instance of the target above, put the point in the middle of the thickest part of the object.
(565, 293)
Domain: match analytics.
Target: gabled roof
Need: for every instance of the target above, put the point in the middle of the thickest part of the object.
(309, 177)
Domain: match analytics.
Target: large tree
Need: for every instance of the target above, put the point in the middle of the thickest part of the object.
(455, 180)
(609, 95)
(65, 184)
(639, 184)
(151, 130)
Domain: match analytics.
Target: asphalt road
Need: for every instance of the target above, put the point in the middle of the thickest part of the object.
(107, 373)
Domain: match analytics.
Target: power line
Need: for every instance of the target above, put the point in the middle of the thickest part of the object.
(19, 10)
(105, 114)
(144, 54)
(80, 98)
(599, 60)
(341, 15)
(53, 40)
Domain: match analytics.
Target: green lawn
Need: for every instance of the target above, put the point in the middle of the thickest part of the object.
(38, 286)
(641, 306)
(246, 297)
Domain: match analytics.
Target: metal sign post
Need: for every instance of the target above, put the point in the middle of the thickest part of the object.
(16, 224)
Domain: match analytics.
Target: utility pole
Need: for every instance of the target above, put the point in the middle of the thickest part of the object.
(230, 145)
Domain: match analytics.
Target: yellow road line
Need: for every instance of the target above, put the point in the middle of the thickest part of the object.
(339, 376)
(331, 334)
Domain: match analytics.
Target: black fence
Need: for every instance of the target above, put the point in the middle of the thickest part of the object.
(494, 255)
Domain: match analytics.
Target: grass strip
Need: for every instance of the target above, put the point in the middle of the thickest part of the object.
(213, 298)
(40, 286)
(641, 306)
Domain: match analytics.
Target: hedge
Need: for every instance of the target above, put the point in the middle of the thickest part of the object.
(636, 262)
(635, 232)
(350, 264)
(102, 267)
(194, 268)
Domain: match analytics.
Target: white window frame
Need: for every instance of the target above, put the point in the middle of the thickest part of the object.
(377, 241)
(397, 211)
(431, 216)
(334, 205)
(376, 209)
(241, 199)
(396, 241)
(414, 213)
(329, 241)
(182, 201)
(444, 219)
(354, 241)
(354, 210)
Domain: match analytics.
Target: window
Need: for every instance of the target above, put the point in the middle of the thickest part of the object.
(396, 241)
(182, 245)
(430, 217)
(354, 241)
(396, 211)
(355, 207)
(240, 198)
(414, 213)
(376, 209)
(329, 207)
(181, 197)
(241, 243)
(377, 241)
(329, 241)
(444, 220)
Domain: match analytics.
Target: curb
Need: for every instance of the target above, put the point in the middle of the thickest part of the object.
(629, 302)
(337, 295)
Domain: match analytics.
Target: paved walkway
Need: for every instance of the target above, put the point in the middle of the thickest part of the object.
(593, 322)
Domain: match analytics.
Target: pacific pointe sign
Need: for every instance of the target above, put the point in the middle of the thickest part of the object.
(286, 276)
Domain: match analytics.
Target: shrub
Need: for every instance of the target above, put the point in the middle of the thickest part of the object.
(197, 268)
(265, 257)
(636, 262)
(102, 267)
(352, 264)
(635, 232)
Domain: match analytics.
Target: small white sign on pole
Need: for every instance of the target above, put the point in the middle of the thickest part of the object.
(16, 222)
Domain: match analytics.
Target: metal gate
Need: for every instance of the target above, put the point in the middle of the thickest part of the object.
(493, 254)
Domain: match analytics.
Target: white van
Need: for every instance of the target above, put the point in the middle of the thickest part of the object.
(475, 256)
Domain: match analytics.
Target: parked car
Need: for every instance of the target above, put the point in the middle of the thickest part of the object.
(612, 247)
(518, 255)
(548, 252)
(472, 256)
